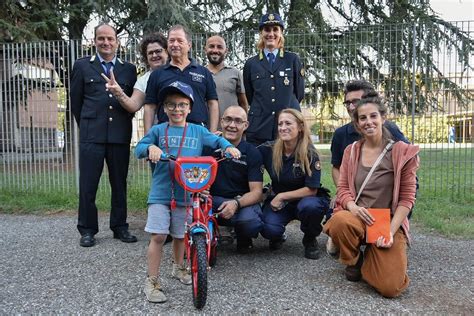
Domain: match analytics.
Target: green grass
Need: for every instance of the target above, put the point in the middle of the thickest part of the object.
(445, 201)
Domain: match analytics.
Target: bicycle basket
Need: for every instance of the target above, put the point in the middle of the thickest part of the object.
(195, 174)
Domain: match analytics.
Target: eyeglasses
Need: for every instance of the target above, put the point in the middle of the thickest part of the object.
(228, 120)
(171, 105)
(347, 103)
(155, 52)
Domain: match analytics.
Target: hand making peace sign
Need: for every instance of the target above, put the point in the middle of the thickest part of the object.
(112, 84)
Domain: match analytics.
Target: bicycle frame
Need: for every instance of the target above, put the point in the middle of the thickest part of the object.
(196, 174)
(203, 221)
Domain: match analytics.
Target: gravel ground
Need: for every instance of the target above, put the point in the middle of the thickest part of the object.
(44, 270)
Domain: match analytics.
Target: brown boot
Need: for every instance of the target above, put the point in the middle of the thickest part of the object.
(353, 273)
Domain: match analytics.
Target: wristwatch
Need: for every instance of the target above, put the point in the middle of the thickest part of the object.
(238, 203)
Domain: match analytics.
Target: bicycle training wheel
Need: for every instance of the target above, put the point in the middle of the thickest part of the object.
(199, 270)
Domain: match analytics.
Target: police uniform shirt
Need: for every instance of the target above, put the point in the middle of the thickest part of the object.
(270, 90)
(98, 113)
(347, 134)
(291, 175)
(195, 75)
(233, 175)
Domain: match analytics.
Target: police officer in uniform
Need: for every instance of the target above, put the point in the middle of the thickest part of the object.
(237, 190)
(105, 131)
(273, 80)
(295, 169)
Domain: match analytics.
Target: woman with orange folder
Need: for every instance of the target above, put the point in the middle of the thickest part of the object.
(375, 173)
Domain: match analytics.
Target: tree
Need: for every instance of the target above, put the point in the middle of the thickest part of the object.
(342, 39)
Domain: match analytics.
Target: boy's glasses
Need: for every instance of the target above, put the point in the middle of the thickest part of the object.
(171, 105)
(228, 120)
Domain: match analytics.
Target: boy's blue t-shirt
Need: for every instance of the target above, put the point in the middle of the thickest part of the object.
(195, 139)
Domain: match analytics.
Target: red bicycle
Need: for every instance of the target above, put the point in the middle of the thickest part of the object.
(196, 174)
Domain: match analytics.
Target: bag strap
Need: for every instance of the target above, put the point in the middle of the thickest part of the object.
(377, 162)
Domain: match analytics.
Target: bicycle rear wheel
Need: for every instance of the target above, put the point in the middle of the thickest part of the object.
(199, 270)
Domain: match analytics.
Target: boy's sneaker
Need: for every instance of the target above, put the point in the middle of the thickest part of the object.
(181, 273)
(153, 290)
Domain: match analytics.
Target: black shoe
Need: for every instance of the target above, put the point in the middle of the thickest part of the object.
(124, 235)
(277, 243)
(87, 240)
(244, 245)
(311, 248)
(353, 273)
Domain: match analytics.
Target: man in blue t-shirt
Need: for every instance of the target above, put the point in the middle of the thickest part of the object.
(237, 189)
(180, 67)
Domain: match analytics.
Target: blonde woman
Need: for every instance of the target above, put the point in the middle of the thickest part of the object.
(295, 169)
(273, 80)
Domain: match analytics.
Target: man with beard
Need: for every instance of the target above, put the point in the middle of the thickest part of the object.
(182, 68)
(229, 80)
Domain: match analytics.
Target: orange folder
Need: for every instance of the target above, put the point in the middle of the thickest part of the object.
(381, 225)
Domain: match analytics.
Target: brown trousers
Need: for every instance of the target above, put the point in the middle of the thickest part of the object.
(385, 269)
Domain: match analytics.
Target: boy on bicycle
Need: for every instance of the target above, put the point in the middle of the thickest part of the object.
(167, 199)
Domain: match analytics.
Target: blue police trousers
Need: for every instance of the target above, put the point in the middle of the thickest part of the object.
(247, 222)
(309, 211)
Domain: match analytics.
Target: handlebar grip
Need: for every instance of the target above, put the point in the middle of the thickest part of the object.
(167, 157)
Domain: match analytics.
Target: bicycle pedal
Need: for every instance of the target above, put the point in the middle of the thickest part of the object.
(225, 240)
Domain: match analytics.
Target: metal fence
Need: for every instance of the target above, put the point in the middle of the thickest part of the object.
(433, 105)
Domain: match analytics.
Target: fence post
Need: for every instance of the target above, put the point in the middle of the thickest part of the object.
(75, 134)
(413, 83)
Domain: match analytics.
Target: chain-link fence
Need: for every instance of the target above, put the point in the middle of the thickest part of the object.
(425, 73)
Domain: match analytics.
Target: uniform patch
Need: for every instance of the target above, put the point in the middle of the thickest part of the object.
(302, 72)
(317, 165)
(262, 169)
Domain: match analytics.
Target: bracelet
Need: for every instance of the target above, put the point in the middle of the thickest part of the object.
(238, 203)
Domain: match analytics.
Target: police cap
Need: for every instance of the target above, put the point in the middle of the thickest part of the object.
(271, 19)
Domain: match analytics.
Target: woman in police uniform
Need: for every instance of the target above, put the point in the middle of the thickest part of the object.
(295, 170)
(273, 79)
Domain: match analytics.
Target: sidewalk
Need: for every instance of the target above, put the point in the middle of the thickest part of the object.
(44, 270)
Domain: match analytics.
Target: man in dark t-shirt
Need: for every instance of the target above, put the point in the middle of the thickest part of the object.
(347, 134)
(237, 190)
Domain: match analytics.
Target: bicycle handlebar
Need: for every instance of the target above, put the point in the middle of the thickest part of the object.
(167, 157)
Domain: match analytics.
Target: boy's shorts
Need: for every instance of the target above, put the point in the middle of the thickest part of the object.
(161, 220)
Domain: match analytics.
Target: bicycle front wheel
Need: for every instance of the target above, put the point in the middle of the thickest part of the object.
(199, 270)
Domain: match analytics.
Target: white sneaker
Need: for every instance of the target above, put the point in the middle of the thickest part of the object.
(153, 290)
(181, 273)
(331, 248)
